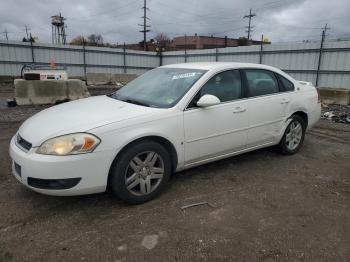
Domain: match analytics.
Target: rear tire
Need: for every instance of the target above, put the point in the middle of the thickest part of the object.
(293, 137)
(140, 172)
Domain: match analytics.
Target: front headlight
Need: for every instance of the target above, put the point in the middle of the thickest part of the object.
(72, 144)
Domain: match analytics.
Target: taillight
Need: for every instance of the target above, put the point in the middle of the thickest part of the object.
(318, 95)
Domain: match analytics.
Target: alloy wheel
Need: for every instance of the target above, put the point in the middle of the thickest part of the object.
(294, 135)
(144, 173)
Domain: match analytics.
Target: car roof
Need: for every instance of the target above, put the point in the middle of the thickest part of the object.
(219, 65)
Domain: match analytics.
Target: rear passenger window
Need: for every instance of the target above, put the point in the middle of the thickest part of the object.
(261, 82)
(226, 86)
(288, 85)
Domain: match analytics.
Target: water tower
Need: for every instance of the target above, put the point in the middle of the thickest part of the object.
(58, 29)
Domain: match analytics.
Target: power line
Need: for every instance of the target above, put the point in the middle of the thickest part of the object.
(191, 23)
(227, 31)
(113, 10)
(249, 27)
(217, 15)
(145, 26)
(324, 31)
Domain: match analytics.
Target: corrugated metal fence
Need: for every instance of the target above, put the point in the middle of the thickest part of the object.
(78, 59)
(299, 60)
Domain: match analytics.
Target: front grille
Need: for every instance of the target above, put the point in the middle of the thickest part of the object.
(23, 143)
(53, 183)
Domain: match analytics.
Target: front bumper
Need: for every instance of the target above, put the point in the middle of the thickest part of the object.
(91, 168)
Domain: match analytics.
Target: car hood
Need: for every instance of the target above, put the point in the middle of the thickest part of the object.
(79, 116)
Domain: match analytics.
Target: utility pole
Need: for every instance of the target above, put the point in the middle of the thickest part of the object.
(64, 35)
(185, 48)
(6, 35)
(26, 28)
(249, 27)
(261, 49)
(124, 58)
(31, 47)
(84, 57)
(324, 30)
(145, 27)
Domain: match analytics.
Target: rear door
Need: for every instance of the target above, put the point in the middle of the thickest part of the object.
(217, 129)
(267, 107)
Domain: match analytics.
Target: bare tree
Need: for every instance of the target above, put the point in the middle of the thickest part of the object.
(79, 40)
(162, 40)
(243, 41)
(95, 40)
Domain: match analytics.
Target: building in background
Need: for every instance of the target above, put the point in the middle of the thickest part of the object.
(197, 42)
(207, 42)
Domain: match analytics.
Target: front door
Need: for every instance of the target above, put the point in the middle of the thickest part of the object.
(217, 129)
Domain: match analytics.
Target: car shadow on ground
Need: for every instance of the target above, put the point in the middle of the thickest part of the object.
(188, 178)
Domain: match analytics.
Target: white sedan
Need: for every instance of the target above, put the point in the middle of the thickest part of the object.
(169, 119)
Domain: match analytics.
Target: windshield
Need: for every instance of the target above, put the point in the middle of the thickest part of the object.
(160, 87)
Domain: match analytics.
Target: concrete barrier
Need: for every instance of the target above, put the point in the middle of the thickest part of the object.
(40, 92)
(123, 78)
(335, 96)
(108, 78)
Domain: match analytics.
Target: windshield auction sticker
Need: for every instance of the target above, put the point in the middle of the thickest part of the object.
(187, 75)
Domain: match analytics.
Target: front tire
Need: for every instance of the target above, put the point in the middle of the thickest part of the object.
(293, 137)
(140, 172)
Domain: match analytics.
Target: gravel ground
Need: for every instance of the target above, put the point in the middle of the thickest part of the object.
(5, 93)
(263, 207)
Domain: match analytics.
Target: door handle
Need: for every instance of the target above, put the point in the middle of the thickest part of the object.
(239, 109)
(285, 101)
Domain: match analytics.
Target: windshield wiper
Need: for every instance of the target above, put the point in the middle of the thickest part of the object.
(132, 101)
(128, 100)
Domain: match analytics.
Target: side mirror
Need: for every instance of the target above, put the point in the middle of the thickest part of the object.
(208, 100)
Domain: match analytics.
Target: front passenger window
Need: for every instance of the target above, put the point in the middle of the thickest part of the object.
(226, 86)
(261, 82)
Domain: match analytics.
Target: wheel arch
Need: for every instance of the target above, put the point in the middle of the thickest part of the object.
(300, 113)
(303, 115)
(156, 138)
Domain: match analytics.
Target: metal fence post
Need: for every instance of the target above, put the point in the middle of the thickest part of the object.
(32, 48)
(216, 54)
(84, 59)
(160, 57)
(185, 48)
(320, 57)
(261, 50)
(124, 59)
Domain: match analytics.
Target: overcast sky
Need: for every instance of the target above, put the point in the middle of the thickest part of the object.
(116, 20)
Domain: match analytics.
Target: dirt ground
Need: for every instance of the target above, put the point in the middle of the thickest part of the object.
(262, 207)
